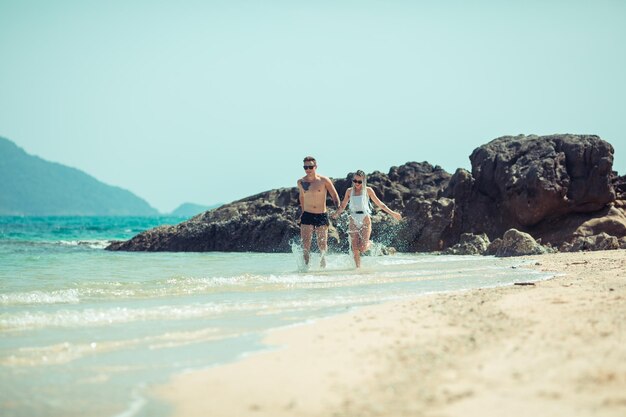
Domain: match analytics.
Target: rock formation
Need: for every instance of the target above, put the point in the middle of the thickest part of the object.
(469, 244)
(515, 243)
(522, 181)
(264, 222)
(267, 222)
(560, 189)
(553, 187)
(600, 241)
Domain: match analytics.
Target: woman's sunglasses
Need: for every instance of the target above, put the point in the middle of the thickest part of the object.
(308, 166)
(357, 181)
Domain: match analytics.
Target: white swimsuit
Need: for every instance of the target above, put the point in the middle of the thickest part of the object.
(359, 209)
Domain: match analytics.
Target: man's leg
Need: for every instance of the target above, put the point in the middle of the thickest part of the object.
(322, 243)
(306, 234)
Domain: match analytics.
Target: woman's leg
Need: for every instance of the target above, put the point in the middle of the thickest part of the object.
(365, 233)
(354, 243)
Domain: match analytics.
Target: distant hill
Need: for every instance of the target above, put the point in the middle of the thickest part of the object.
(191, 209)
(31, 186)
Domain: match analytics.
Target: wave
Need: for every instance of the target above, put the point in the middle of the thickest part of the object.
(93, 244)
(244, 283)
(93, 317)
(69, 296)
(67, 351)
(387, 270)
(288, 302)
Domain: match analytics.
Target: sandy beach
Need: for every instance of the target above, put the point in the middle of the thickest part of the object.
(556, 348)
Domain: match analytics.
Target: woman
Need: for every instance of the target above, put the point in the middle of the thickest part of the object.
(360, 230)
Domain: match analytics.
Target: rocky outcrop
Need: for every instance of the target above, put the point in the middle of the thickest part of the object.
(264, 222)
(426, 225)
(412, 180)
(559, 189)
(267, 222)
(610, 220)
(469, 244)
(515, 243)
(534, 178)
(601, 241)
(546, 186)
(619, 185)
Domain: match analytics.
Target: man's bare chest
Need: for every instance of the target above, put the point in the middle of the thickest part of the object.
(313, 187)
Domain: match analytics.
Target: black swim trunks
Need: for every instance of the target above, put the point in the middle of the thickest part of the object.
(314, 219)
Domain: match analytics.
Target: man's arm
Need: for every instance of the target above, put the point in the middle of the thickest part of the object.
(332, 191)
(301, 195)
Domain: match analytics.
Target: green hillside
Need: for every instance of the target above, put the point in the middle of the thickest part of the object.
(191, 209)
(31, 186)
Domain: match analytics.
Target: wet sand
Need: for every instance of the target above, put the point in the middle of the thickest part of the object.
(556, 348)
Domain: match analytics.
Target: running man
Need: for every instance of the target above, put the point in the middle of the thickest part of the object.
(313, 190)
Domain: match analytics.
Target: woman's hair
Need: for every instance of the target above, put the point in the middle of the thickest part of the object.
(360, 173)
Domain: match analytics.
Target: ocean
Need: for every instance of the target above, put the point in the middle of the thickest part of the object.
(87, 332)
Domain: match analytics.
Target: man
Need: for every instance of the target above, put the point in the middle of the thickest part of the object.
(313, 189)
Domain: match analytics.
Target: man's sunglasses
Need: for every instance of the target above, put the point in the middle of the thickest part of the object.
(357, 181)
(308, 166)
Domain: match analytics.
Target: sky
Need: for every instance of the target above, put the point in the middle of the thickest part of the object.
(212, 101)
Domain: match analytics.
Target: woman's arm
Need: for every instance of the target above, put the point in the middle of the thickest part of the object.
(372, 195)
(343, 205)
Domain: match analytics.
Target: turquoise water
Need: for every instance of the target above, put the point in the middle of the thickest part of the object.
(84, 331)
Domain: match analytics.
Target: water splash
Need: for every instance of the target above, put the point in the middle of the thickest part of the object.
(298, 255)
(376, 249)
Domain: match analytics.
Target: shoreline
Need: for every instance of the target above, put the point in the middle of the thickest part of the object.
(557, 347)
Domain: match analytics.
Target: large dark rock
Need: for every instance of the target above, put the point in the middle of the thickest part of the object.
(539, 177)
(403, 183)
(266, 222)
(557, 188)
(469, 244)
(619, 185)
(412, 189)
(546, 186)
(426, 226)
(515, 243)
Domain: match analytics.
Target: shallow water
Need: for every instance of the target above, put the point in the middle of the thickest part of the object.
(84, 331)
